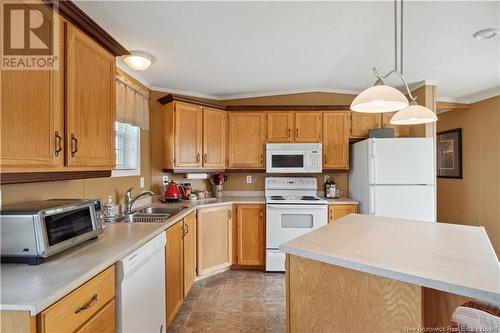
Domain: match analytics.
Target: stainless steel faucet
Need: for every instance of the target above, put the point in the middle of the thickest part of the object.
(129, 200)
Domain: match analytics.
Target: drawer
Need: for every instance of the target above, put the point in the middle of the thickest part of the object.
(102, 322)
(72, 311)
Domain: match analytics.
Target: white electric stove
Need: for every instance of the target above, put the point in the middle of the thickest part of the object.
(292, 209)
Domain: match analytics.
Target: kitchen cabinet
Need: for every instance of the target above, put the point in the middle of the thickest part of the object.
(214, 234)
(246, 140)
(188, 135)
(251, 235)
(362, 122)
(307, 126)
(279, 127)
(87, 305)
(335, 212)
(336, 140)
(214, 138)
(103, 321)
(174, 263)
(399, 130)
(189, 247)
(90, 102)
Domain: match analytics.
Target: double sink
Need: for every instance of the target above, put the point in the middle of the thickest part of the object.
(151, 214)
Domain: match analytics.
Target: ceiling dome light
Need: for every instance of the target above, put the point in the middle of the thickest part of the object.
(138, 60)
(413, 115)
(486, 33)
(379, 98)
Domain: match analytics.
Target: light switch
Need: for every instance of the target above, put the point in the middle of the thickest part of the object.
(141, 180)
(326, 178)
(249, 179)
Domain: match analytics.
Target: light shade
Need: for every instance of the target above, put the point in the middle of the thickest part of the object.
(138, 60)
(379, 98)
(412, 115)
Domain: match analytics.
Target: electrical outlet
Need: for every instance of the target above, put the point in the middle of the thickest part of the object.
(165, 179)
(326, 178)
(141, 181)
(249, 179)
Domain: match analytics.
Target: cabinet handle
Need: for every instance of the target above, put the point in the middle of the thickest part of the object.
(325, 159)
(261, 159)
(58, 143)
(74, 145)
(296, 132)
(289, 133)
(229, 214)
(261, 215)
(198, 157)
(92, 301)
(205, 158)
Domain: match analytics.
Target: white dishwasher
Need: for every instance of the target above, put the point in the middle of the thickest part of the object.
(140, 288)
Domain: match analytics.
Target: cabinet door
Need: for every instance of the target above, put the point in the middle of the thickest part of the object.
(399, 130)
(90, 102)
(189, 252)
(362, 122)
(307, 127)
(251, 245)
(336, 140)
(214, 239)
(103, 321)
(174, 270)
(279, 126)
(31, 113)
(338, 211)
(246, 139)
(188, 135)
(214, 138)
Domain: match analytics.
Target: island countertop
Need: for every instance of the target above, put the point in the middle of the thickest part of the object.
(454, 258)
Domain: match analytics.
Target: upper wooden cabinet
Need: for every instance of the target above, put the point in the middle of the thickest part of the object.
(336, 140)
(246, 139)
(188, 135)
(399, 130)
(280, 126)
(214, 234)
(294, 126)
(307, 126)
(90, 102)
(362, 122)
(251, 235)
(214, 138)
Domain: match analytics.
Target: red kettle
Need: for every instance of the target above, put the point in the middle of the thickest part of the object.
(172, 192)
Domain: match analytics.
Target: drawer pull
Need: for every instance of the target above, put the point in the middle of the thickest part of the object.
(93, 300)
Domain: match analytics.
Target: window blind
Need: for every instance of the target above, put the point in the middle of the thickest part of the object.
(127, 146)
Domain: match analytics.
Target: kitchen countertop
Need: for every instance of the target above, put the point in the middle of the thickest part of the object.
(34, 288)
(341, 201)
(449, 257)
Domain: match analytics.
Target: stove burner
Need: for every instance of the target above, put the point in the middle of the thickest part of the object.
(277, 197)
(308, 197)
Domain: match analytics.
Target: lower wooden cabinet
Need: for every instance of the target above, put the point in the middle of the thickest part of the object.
(174, 262)
(214, 233)
(189, 256)
(335, 212)
(251, 235)
(89, 305)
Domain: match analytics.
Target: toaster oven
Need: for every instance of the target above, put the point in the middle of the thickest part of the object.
(33, 231)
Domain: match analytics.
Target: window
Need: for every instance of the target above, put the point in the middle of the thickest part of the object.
(128, 150)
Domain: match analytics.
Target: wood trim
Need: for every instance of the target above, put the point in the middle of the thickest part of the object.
(35, 177)
(207, 103)
(78, 18)
(450, 106)
(192, 170)
(191, 100)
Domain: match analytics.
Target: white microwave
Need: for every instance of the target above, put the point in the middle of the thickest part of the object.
(294, 158)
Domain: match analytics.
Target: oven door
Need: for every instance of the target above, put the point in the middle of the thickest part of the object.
(286, 161)
(65, 227)
(285, 222)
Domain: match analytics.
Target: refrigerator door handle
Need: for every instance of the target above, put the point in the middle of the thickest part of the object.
(373, 162)
(371, 209)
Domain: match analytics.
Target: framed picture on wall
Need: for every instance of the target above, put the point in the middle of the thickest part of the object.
(449, 153)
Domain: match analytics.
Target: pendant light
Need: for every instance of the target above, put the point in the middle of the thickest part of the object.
(381, 98)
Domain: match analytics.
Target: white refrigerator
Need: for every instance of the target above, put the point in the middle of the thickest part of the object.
(394, 177)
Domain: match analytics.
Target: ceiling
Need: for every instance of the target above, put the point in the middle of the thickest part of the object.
(234, 49)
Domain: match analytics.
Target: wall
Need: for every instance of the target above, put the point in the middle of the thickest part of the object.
(475, 199)
(99, 188)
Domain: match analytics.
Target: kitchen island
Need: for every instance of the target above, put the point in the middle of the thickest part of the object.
(375, 274)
